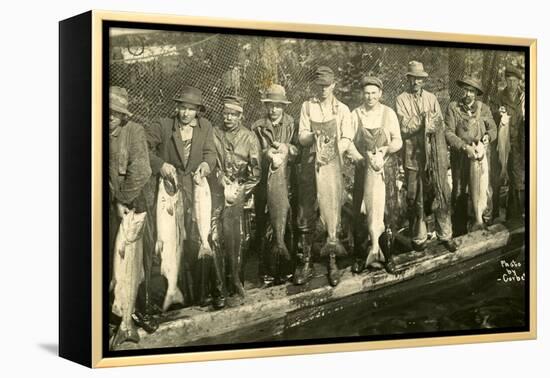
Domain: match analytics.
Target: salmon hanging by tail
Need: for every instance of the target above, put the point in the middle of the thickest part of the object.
(503, 146)
(170, 236)
(202, 213)
(330, 187)
(479, 184)
(127, 274)
(277, 200)
(374, 201)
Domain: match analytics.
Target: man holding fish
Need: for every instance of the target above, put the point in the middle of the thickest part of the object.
(278, 139)
(509, 113)
(129, 171)
(182, 151)
(325, 132)
(470, 129)
(237, 174)
(376, 140)
(425, 160)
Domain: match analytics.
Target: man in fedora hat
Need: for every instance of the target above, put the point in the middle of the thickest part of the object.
(323, 110)
(129, 171)
(237, 174)
(467, 121)
(509, 112)
(182, 146)
(425, 160)
(276, 132)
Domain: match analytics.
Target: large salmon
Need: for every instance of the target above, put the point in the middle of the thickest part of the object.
(127, 274)
(277, 199)
(503, 145)
(330, 187)
(374, 201)
(202, 212)
(170, 235)
(479, 184)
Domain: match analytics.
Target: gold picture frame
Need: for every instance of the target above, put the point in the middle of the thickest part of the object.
(83, 99)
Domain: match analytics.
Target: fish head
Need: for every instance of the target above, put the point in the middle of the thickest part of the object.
(479, 150)
(170, 186)
(376, 159)
(133, 225)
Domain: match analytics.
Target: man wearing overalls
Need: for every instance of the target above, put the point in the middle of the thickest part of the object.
(323, 111)
(375, 127)
(182, 146)
(467, 121)
(275, 131)
(129, 171)
(425, 160)
(237, 174)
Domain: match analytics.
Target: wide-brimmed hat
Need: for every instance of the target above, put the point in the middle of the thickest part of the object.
(118, 100)
(512, 71)
(371, 80)
(323, 76)
(233, 102)
(190, 95)
(275, 93)
(471, 82)
(416, 69)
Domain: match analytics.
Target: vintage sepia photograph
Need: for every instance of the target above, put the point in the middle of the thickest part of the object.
(286, 189)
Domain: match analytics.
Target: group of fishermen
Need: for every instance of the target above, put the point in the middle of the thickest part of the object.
(187, 146)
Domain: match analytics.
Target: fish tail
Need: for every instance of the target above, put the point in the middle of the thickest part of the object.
(205, 251)
(374, 255)
(281, 251)
(333, 247)
(172, 297)
(125, 333)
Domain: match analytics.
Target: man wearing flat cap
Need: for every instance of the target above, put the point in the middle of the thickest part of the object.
(278, 139)
(129, 171)
(322, 112)
(237, 174)
(467, 121)
(182, 146)
(509, 167)
(425, 160)
(376, 130)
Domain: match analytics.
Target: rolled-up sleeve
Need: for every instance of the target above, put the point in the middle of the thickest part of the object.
(304, 128)
(395, 134)
(346, 126)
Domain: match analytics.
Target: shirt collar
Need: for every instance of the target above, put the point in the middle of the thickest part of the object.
(116, 132)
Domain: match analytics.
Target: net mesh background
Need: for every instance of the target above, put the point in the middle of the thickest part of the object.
(154, 65)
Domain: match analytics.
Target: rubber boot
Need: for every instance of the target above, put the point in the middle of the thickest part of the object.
(387, 241)
(205, 272)
(333, 271)
(218, 287)
(304, 268)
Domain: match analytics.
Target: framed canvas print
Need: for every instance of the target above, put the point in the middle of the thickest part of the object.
(235, 189)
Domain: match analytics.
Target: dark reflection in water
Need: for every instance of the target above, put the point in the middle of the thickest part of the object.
(482, 297)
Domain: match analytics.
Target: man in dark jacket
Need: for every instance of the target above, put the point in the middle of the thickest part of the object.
(509, 112)
(237, 174)
(276, 132)
(182, 146)
(129, 171)
(426, 160)
(467, 121)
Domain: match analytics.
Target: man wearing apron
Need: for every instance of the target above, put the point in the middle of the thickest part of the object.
(237, 174)
(181, 146)
(376, 127)
(467, 121)
(426, 160)
(323, 111)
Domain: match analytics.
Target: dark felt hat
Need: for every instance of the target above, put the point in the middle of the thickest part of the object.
(471, 82)
(512, 71)
(190, 95)
(323, 76)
